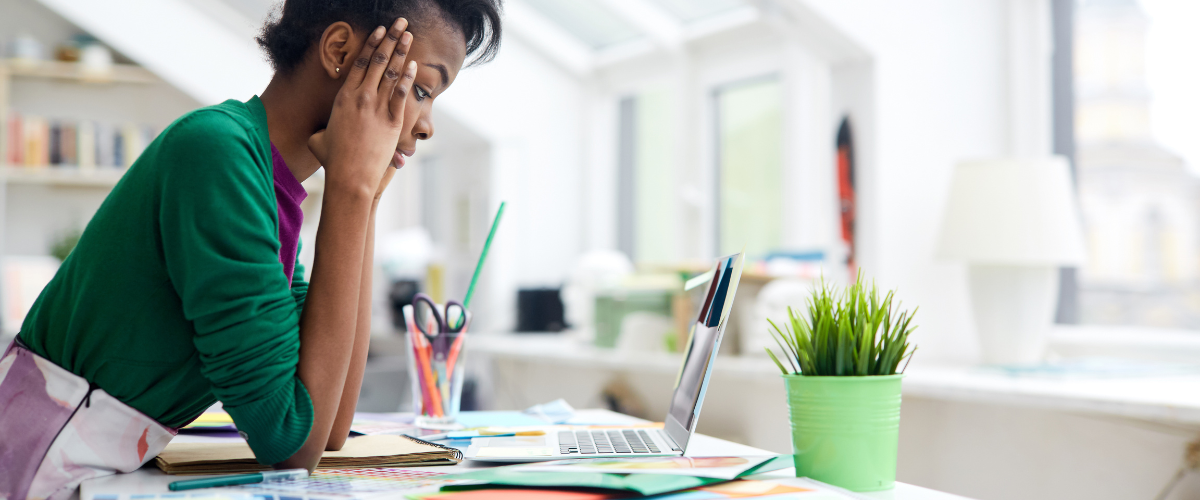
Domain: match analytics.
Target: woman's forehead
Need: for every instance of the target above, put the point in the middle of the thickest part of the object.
(440, 50)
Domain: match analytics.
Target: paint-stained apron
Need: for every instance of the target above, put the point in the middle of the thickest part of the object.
(57, 430)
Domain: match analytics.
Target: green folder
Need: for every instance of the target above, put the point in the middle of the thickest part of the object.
(644, 484)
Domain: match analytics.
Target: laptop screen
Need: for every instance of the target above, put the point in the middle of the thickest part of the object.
(701, 350)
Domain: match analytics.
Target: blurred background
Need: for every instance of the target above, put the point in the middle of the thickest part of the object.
(1024, 171)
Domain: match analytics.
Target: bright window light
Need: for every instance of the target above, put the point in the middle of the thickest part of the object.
(691, 10)
(750, 167)
(593, 23)
(647, 181)
(1137, 119)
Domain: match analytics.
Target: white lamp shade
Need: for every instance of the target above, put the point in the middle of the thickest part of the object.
(1013, 212)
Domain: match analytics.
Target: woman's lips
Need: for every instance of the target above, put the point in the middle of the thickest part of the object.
(400, 156)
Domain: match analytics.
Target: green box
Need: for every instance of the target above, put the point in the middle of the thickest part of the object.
(613, 306)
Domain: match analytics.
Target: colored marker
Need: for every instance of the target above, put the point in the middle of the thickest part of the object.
(257, 477)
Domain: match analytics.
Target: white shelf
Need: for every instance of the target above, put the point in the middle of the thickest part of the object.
(100, 177)
(58, 70)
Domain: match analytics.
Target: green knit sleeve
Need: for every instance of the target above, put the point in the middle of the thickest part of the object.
(218, 222)
(299, 283)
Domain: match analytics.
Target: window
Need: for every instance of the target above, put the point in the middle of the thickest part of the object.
(646, 183)
(1137, 131)
(749, 167)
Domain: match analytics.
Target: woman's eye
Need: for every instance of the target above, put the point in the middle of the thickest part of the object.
(420, 93)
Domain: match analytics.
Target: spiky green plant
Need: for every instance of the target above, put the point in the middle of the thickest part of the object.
(853, 333)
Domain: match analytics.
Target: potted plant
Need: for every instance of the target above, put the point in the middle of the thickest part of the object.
(842, 372)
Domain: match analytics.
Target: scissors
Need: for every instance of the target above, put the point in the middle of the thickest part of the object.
(445, 333)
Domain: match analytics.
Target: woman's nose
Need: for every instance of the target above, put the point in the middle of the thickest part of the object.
(423, 129)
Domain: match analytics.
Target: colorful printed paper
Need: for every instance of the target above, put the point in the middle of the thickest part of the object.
(774, 489)
(738, 489)
(210, 421)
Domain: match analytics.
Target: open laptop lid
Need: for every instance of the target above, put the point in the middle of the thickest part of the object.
(701, 351)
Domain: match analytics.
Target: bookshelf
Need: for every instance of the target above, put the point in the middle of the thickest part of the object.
(58, 70)
(104, 177)
(40, 202)
(12, 71)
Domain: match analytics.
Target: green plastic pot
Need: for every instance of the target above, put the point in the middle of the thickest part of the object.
(846, 429)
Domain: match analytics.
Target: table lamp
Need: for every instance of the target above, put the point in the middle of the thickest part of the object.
(1014, 222)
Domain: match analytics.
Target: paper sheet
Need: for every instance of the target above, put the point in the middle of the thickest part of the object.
(473, 419)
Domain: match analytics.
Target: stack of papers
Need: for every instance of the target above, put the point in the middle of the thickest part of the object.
(365, 451)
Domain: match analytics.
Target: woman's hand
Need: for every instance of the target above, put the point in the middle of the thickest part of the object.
(356, 149)
(359, 144)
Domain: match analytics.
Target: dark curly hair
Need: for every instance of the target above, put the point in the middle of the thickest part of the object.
(288, 35)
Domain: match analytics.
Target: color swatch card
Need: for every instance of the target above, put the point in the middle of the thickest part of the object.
(347, 484)
(209, 494)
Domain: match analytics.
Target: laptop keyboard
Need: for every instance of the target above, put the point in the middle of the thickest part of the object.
(605, 441)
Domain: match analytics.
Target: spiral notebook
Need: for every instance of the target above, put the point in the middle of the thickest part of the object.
(359, 452)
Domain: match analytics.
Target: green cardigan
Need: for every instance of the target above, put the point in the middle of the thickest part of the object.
(175, 298)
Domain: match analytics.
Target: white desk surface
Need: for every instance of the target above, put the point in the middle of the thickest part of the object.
(151, 480)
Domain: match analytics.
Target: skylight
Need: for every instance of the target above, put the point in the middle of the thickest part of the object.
(692, 10)
(589, 20)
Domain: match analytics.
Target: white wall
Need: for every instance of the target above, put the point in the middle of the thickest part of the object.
(940, 97)
(193, 51)
(529, 111)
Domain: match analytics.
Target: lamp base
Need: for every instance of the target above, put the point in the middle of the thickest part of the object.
(1014, 309)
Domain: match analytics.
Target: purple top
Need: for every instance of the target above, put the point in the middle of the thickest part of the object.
(289, 193)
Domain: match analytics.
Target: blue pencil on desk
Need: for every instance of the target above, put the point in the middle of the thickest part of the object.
(257, 477)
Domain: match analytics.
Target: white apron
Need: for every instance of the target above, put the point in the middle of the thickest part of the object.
(57, 430)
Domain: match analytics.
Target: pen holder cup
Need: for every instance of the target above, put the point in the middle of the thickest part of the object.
(435, 369)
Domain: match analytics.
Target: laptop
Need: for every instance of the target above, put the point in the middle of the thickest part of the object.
(680, 421)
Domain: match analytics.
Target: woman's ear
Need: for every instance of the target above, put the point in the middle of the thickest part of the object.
(336, 45)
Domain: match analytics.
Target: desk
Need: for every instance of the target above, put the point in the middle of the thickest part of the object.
(151, 480)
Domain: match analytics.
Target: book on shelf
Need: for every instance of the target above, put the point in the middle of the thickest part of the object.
(38, 142)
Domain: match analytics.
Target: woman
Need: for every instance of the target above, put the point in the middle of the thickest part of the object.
(185, 289)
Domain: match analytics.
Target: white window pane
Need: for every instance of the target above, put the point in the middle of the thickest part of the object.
(1138, 195)
(750, 174)
(655, 182)
(647, 185)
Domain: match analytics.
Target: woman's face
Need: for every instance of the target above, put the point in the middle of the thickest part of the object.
(439, 51)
